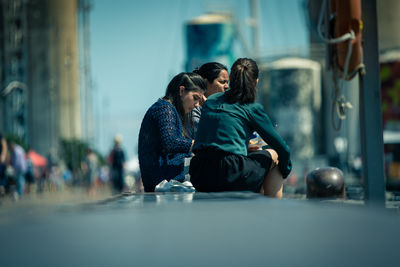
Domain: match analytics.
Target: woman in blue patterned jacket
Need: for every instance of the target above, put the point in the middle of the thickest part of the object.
(163, 143)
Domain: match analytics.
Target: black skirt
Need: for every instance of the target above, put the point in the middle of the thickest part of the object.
(217, 171)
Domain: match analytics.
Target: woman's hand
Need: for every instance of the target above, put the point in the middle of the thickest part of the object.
(202, 100)
(274, 156)
(191, 147)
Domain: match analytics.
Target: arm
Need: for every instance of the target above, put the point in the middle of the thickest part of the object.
(3, 151)
(171, 138)
(262, 124)
(196, 113)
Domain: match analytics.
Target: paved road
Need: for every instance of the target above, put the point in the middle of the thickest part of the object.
(226, 229)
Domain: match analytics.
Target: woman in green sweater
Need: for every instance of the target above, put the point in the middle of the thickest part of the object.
(222, 161)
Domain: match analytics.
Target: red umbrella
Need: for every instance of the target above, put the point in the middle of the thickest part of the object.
(37, 159)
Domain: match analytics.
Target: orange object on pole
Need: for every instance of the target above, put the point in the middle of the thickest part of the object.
(348, 18)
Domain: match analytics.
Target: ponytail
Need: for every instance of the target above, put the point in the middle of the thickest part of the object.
(243, 80)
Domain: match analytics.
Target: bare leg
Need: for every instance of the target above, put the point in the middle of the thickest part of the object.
(273, 182)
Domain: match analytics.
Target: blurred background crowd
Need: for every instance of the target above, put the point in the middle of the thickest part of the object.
(24, 172)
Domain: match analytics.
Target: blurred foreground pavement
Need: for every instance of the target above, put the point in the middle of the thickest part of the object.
(200, 229)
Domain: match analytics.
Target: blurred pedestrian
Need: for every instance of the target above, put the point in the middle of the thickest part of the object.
(163, 139)
(116, 158)
(29, 175)
(222, 161)
(3, 164)
(18, 163)
(90, 169)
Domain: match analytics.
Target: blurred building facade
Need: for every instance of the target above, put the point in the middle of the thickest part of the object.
(290, 91)
(389, 46)
(291, 95)
(40, 80)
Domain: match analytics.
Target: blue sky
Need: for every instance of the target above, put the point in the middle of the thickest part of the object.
(138, 46)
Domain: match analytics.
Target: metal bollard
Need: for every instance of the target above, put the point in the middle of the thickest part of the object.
(327, 182)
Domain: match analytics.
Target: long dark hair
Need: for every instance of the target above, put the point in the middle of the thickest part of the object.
(210, 70)
(191, 81)
(243, 81)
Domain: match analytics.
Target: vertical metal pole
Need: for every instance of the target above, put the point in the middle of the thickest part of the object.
(371, 111)
(88, 77)
(255, 19)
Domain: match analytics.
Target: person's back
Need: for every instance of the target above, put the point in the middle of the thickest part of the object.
(118, 158)
(226, 126)
(18, 161)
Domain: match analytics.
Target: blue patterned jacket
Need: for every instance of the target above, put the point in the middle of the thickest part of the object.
(162, 147)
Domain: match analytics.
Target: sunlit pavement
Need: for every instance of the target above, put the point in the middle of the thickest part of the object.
(200, 229)
(70, 195)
